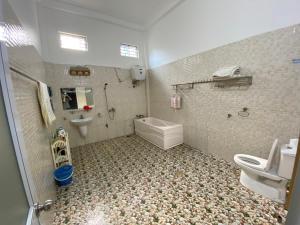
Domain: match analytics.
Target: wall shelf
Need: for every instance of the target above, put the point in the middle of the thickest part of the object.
(61, 153)
(219, 82)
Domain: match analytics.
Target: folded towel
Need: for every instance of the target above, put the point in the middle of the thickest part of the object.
(227, 72)
(45, 104)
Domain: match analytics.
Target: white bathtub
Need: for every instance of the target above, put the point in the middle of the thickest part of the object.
(161, 133)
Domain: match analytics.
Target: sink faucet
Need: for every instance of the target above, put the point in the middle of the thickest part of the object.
(81, 117)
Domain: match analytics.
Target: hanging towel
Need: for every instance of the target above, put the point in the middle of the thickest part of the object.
(227, 72)
(176, 101)
(45, 104)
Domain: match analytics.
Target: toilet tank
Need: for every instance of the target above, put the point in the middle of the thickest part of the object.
(287, 161)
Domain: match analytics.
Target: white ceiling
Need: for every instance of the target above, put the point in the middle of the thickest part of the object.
(139, 13)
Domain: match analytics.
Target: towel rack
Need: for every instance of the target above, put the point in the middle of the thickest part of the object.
(22, 74)
(220, 82)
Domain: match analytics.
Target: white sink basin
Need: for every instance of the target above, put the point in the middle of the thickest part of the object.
(82, 124)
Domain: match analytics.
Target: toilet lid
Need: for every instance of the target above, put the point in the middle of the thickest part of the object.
(272, 155)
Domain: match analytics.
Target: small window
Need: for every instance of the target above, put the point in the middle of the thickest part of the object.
(129, 50)
(73, 41)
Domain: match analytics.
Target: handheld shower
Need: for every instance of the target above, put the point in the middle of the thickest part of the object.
(110, 111)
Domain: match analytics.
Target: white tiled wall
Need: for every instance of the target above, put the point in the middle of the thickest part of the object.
(127, 101)
(273, 99)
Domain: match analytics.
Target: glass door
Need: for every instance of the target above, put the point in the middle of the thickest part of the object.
(19, 195)
(14, 206)
(20, 68)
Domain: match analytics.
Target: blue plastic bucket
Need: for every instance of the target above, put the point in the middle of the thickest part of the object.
(63, 175)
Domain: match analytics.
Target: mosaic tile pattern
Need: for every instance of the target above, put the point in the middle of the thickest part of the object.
(128, 181)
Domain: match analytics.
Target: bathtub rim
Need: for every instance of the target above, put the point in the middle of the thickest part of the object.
(173, 125)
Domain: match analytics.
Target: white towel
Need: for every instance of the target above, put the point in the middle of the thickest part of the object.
(227, 71)
(45, 104)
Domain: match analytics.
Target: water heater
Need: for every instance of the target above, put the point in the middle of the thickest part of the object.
(138, 73)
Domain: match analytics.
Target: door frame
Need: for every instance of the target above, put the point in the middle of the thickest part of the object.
(15, 130)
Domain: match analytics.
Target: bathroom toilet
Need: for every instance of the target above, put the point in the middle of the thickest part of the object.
(268, 177)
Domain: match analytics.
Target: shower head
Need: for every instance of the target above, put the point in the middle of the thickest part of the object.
(105, 86)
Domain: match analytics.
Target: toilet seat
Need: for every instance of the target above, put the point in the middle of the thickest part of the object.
(250, 161)
(256, 163)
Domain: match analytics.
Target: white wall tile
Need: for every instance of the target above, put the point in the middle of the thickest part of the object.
(272, 99)
(127, 101)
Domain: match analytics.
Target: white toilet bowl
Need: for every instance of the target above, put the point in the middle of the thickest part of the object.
(260, 175)
(245, 161)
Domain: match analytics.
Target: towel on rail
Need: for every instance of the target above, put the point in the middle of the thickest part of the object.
(45, 104)
(227, 72)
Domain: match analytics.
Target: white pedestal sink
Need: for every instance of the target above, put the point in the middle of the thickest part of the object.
(82, 124)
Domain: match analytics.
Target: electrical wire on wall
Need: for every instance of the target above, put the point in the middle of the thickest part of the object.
(117, 75)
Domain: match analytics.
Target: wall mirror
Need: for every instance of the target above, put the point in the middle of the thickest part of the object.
(76, 98)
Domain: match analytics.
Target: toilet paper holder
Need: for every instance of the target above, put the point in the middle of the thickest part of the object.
(244, 112)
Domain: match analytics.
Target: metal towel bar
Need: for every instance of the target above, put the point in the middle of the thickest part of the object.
(232, 81)
(23, 74)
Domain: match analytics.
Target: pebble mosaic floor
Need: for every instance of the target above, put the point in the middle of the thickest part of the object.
(128, 181)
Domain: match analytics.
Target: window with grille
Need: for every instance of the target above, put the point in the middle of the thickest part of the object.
(129, 50)
(73, 41)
